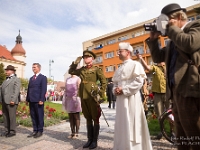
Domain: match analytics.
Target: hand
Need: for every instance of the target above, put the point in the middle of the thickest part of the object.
(118, 91)
(26, 103)
(40, 103)
(12, 103)
(139, 56)
(154, 35)
(78, 59)
(173, 22)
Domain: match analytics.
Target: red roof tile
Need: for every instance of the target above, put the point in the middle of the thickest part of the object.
(6, 54)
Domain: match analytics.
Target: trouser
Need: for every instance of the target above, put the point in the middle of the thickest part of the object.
(160, 103)
(91, 111)
(186, 112)
(9, 117)
(37, 116)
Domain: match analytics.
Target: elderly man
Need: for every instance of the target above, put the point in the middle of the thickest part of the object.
(9, 94)
(131, 131)
(182, 71)
(89, 75)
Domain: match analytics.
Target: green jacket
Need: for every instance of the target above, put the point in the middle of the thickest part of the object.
(88, 77)
(187, 77)
(159, 81)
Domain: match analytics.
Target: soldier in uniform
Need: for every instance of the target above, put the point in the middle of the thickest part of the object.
(89, 75)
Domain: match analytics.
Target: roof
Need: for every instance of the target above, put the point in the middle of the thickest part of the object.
(6, 54)
(18, 49)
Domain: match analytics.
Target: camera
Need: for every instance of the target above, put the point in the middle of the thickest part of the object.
(136, 52)
(159, 24)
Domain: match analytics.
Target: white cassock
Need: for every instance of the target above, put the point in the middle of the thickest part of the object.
(131, 130)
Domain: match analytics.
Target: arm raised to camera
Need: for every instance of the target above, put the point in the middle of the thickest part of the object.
(144, 64)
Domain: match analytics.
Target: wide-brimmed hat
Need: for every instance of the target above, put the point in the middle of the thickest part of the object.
(10, 67)
(89, 53)
(170, 8)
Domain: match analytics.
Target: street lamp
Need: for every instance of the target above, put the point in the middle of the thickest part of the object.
(50, 62)
(53, 79)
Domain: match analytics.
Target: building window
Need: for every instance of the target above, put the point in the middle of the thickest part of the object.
(191, 18)
(133, 35)
(139, 48)
(90, 48)
(111, 41)
(109, 55)
(110, 68)
(98, 59)
(123, 38)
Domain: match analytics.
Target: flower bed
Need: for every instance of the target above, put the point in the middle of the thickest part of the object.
(53, 114)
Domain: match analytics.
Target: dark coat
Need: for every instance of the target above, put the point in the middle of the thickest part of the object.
(37, 89)
(109, 92)
(187, 77)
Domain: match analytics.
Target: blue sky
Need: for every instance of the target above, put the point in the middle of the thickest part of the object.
(56, 29)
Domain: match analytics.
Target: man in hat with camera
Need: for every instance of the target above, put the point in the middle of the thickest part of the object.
(182, 73)
(131, 130)
(9, 93)
(89, 75)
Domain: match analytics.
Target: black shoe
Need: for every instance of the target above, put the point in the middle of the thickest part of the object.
(93, 145)
(32, 134)
(10, 134)
(89, 142)
(39, 134)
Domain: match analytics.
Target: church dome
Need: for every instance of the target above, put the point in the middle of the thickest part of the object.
(18, 49)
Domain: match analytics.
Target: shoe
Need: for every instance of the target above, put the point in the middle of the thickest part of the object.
(32, 134)
(71, 136)
(39, 134)
(10, 134)
(75, 136)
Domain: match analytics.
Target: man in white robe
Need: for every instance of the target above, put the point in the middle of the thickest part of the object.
(131, 130)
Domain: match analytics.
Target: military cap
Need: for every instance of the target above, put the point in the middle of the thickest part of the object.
(89, 53)
(170, 8)
(10, 67)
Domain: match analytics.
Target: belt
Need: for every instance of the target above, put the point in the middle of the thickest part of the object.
(84, 82)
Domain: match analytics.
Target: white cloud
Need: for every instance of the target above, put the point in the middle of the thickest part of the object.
(56, 29)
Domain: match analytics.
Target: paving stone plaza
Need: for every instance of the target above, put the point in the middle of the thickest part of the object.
(55, 137)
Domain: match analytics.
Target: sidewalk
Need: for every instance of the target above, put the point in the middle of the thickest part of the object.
(55, 137)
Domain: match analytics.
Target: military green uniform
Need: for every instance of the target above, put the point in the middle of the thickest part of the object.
(89, 77)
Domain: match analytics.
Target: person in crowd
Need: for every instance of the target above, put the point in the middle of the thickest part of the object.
(89, 75)
(158, 87)
(72, 104)
(37, 88)
(181, 57)
(131, 130)
(9, 97)
(111, 97)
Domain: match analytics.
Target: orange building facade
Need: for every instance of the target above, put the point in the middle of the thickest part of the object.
(106, 46)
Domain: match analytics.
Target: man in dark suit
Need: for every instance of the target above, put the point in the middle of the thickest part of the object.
(9, 93)
(35, 97)
(109, 92)
(182, 61)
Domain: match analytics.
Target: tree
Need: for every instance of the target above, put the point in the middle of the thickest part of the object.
(2, 73)
(24, 83)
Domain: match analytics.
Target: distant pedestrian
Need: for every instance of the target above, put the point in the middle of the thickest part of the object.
(110, 96)
(37, 88)
(72, 104)
(9, 97)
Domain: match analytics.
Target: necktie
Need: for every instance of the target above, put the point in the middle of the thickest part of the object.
(34, 77)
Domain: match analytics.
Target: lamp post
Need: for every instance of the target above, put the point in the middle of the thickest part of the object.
(50, 62)
(53, 79)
